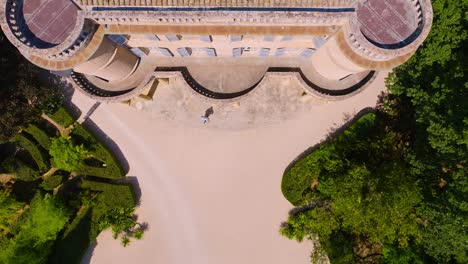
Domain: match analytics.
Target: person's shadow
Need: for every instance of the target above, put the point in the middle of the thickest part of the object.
(209, 112)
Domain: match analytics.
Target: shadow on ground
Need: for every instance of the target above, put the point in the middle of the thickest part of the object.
(89, 253)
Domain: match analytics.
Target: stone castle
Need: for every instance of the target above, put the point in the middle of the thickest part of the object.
(115, 50)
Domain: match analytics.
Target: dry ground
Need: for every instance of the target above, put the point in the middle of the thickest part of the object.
(211, 193)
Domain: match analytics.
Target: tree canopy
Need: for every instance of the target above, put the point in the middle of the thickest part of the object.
(33, 241)
(22, 91)
(396, 191)
(66, 155)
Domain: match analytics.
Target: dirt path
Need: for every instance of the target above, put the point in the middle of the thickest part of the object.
(64, 131)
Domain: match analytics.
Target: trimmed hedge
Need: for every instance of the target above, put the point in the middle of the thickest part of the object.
(39, 157)
(79, 234)
(297, 180)
(19, 168)
(39, 135)
(112, 170)
(50, 183)
(62, 117)
(111, 196)
(101, 172)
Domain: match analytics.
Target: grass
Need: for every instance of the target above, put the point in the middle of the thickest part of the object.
(100, 152)
(39, 156)
(75, 238)
(39, 135)
(84, 228)
(110, 195)
(72, 246)
(50, 183)
(63, 117)
(80, 135)
(19, 168)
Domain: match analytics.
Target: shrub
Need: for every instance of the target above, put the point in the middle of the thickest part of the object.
(62, 117)
(298, 178)
(39, 135)
(100, 152)
(22, 171)
(102, 172)
(39, 157)
(37, 232)
(66, 155)
(51, 182)
(9, 210)
(119, 219)
(110, 196)
(74, 242)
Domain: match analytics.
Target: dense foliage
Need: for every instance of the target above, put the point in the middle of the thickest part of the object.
(9, 210)
(66, 155)
(362, 192)
(123, 223)
(89, 202)
(393, 187)
(35, 233)
(21, 92)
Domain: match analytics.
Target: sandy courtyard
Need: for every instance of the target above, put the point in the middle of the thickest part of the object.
(212, 195)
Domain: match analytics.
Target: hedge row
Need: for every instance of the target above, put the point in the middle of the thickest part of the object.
(111, 196)
(100, 152)
(297, 180)
(81, 135)
(74, 242)
(101, 172)
(19, 168)
(62, 117)
(53, 181)
(39, 157)
(39, 135)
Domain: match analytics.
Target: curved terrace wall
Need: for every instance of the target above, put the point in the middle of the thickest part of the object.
(354, 46)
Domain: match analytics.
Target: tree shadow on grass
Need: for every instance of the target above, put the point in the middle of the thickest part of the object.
(57, 80)
(108, 142)
(75, 243)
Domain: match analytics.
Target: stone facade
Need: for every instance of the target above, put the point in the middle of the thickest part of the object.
(116, 45)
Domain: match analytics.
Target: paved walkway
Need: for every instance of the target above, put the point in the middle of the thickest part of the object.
(211, 193)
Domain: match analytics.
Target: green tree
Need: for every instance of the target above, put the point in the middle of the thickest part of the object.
(37, 231)
(122, 221)
(418, 173)
(364, 193)
(9, 210)
(66, 155)
(22, 92)
(430, 90)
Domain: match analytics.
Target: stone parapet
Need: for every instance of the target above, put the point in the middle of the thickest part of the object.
(361, 45)
(9, 24)
(352, 42)
(226, 18)
(220, 3)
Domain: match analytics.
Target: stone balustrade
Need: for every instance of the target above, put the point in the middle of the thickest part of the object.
(221, 3)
